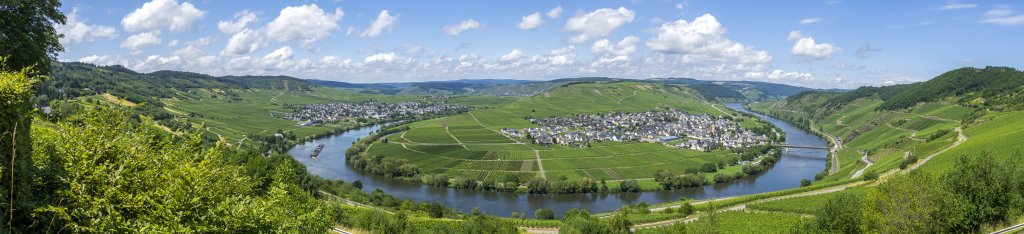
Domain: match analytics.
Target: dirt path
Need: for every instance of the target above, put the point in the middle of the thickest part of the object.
(495, 131)
(624, 98)
(540, 164)
(456, 138)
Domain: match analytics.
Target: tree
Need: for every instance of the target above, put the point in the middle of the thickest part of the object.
(544, 214)
(537, 185)
(28, 37)
(629, 186)
(16, 143)
(984, 190)
(841, 214)
(805, 183)
(904, 204)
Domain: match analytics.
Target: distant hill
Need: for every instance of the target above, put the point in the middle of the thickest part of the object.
(990, 86)
(75, 79)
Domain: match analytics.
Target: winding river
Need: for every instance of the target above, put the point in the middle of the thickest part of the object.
(795, 164)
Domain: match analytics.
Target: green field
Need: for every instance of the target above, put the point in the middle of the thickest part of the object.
(232, 114)
(740, 222)
(469, 145)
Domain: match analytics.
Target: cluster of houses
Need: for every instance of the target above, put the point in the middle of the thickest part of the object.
(370, 110)
(673, 127)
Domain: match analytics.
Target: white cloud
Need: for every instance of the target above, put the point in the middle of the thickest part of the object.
(141, 41)
(161, 14)
(954, 5)
(779, 74)
(555, 12)
(193, 49)
(795, 34)
(76, 31)
(244, 42)
(680, 6)
(381, 58)
(703, 39)
(384, 21)
(455, 29)
(611, 53)
(531, 21)
(242, 19)
(806, 48)
(598, 23)
(1003, 15)
(562, 56)
(514, 55)
(283, 53)
(811, 20)
(304, 24)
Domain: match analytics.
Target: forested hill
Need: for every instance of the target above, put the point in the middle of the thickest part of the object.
(75, 79)
(998, 88)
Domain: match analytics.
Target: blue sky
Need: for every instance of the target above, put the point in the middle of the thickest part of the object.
(825, 44)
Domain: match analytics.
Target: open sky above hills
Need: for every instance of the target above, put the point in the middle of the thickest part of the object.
(824, 44)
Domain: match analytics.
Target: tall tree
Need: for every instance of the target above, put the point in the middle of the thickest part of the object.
(27, 36)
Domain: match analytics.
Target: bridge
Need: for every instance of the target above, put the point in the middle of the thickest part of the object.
(801, 147)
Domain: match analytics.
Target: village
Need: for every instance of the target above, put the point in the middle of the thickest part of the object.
(673, 127)
(313, 114)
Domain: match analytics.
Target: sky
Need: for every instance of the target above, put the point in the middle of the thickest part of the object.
(820, 44)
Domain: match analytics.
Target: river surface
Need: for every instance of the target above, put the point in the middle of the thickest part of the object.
(795, 165)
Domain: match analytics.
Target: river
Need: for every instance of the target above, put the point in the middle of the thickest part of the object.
(795, 165)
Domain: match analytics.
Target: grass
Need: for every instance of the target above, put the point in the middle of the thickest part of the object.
(999, 134)
(805, 204)
(742, 222)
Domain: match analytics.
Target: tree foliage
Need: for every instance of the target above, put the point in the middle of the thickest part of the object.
(27, 36)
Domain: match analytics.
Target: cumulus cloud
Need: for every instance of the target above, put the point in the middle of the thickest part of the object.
(283, 53)
(608, 52)
(805, 47)
(244, 42)
(531, 21)
(1003, 15)
(703, 39)
(381, 58)
(514, 55)
(384, 21)
(779, 74)
(141, 41)
(562, 56)
(162, 14)
(811, 20)
(304, 24)
(76, 30)
(193, 49)
(455, 29)
(242, 19)
(954, 5)
(598, 23)
(555, 12)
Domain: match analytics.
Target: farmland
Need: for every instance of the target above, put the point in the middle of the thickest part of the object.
(469, 146)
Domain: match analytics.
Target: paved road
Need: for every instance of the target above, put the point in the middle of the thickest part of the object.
(1011, 229)
(960, 138)
(864, 159)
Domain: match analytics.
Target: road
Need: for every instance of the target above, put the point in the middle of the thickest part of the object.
(960, 138)
(834, 152)
(1011, 229)
(864, 159)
